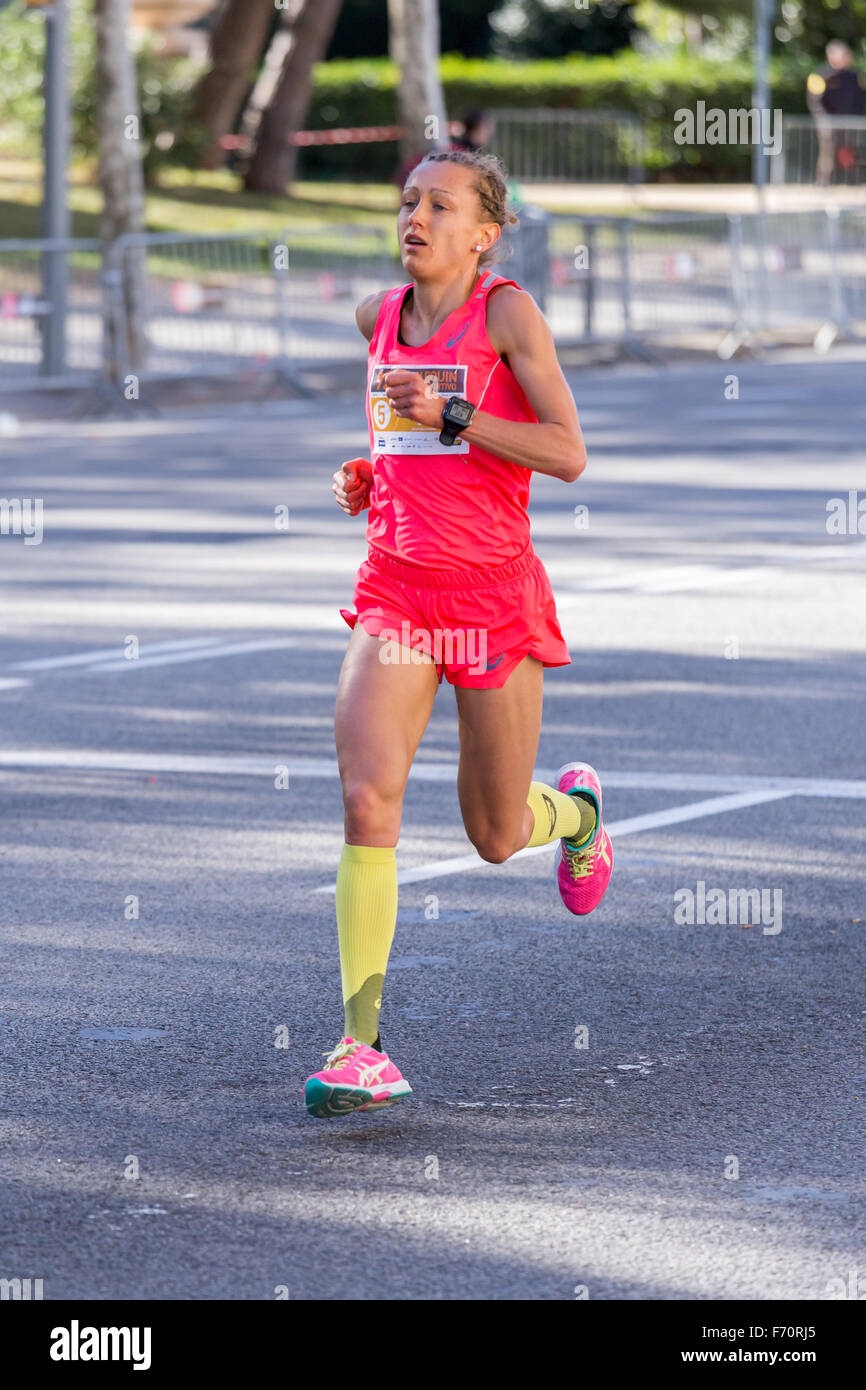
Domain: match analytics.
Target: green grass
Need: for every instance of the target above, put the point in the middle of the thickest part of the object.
(214, 203)
(210, 203)
(197, 202)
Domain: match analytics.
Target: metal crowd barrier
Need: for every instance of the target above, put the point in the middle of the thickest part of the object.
(613, 147)
(668, 276)
(174, 306)
(849, 250)
(206, 305)
(634, 278)
(824, 150)
(36, 344)
(545, 146)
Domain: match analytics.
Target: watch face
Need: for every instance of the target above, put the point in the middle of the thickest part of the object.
(461, 411)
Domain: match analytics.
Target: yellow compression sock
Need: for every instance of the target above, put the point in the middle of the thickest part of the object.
(558, 816)
(366, 917)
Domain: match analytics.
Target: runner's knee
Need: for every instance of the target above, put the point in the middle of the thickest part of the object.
(492, 843)
(371, 810)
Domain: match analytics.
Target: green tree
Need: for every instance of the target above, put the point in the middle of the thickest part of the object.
(801, 28)
(550, 28)
(22, 49)
(716, 9)
(812, 23)
(362, 29)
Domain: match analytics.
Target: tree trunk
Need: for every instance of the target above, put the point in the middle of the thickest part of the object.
(413, 30)
(262, 93)
(120, 176)
(236, 45)
(274, 158)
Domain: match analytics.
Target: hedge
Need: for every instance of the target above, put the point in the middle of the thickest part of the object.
(362, 91)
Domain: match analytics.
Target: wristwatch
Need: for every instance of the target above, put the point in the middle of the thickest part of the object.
(457, 415)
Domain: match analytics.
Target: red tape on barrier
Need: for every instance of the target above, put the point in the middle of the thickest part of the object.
(337, 135)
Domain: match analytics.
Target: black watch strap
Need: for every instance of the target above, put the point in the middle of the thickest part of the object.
(451, 428)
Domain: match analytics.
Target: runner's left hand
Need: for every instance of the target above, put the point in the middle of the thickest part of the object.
(414, 399)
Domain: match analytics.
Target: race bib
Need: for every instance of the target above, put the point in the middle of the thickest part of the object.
(392, 434)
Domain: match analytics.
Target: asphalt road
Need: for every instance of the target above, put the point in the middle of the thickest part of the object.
(166, 914)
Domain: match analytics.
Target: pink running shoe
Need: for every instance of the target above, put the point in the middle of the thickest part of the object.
(582, 874)
(354, 1077)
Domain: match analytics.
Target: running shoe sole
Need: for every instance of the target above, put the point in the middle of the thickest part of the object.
(325, 1102)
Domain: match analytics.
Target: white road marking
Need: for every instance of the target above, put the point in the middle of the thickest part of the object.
(219, 765)
(669, 581)
(232, 765)
(58, 663)
(693, 811)
(672, 815)
(699, 781)
(12, 684)
(646, 579)
(739, 792)
(676, 578)
(265, 644)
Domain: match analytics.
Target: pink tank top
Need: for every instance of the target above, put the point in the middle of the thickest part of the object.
(431, 505)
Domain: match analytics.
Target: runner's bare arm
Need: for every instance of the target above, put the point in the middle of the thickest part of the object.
(518, 331)
(352, 482)
(367, 312)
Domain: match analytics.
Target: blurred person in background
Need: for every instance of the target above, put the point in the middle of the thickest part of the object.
(477, 132)
(835, 90)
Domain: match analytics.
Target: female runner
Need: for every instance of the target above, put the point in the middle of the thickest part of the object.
(465, 400)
